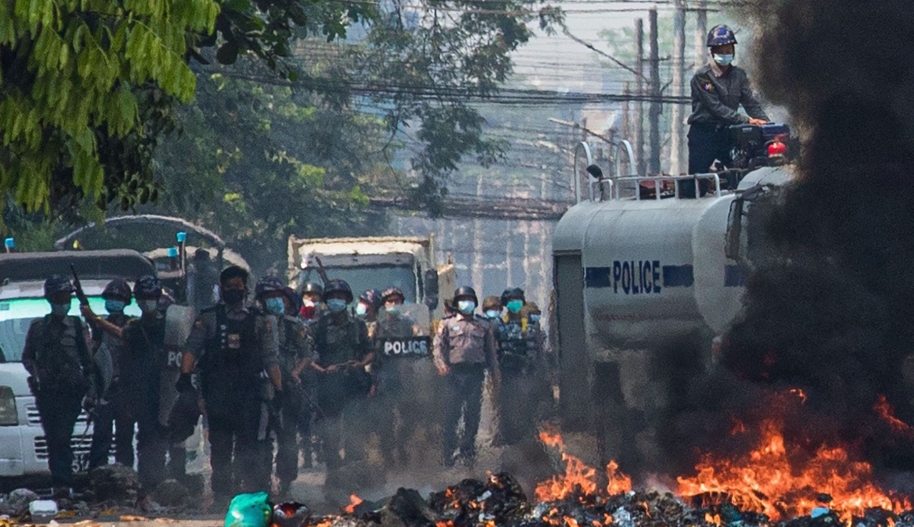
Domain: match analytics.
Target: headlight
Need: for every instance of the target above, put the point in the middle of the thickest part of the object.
(8, 414)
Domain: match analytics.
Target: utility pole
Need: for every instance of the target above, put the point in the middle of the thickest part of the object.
(655, 108)
(626, 112)
(639, 91)
(676, 137)
(701, 33)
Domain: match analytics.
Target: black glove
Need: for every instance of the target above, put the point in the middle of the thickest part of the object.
(33, 384)
(185, 384)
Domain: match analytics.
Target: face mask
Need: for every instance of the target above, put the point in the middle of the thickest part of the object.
(534, 318)
(308, 303)
(232, 296)
(114, 306)
(361, 310)
(275, 306)
(60, 310)
(393, 310)
(336, 305)
(148, 306)
(514, 306)
(466, 306)
(492, 313)
(723, 60)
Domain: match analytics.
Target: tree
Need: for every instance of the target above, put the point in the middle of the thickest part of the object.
(74, 76)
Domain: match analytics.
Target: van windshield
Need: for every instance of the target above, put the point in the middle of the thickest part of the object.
(375, 277)
(17, 314)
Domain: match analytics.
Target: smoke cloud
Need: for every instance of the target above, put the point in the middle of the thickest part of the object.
(830, 310)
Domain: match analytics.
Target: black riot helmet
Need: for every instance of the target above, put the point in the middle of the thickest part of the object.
(512, 293)
(119, 289)
(338, 286)
(233, 271)
(147, 287)
(312, 288)
(465, 292)
(392, 292)
(372, 297)
(56, 284)
(268, 285)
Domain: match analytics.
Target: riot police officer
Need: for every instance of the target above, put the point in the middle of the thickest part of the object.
(342, 351)
(521, 361)
(296, 350)
(112, 418)
(464, 349)
(399, 407)
(235, 347)
(491, 308)
(142, 365)
(718, 89)
(56, 355)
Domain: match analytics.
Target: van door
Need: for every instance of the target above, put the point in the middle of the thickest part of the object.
(571, 343)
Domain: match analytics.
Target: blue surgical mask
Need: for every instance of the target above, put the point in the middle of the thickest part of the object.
(275, 306)
(723, 60)
(60, 310)
(534, 318)
(393, 310)
(336, 305)
(466, 306)
(361, 310)
(114, 306)
(492, 313)
(148, 305)
(515, 306)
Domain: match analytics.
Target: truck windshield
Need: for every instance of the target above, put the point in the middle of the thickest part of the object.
(16, 314)
(361, 279)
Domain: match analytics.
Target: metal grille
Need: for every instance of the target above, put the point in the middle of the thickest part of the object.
(80, 446)
(34, 418)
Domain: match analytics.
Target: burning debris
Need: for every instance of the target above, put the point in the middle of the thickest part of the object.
(765, 488)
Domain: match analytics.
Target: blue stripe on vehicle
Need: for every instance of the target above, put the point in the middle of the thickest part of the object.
(734, 276)
(597, 277)
(678, 276)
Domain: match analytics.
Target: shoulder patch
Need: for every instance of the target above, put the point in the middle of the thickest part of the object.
(704, 82)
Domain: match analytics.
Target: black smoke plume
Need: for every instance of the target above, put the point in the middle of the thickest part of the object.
(831, 310)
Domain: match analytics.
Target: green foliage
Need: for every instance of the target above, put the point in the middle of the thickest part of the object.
(268, 163)
(71, 77)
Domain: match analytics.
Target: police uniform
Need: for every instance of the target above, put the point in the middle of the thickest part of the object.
(295, 345)
(466, 345)
(112, 417)
(56, 355)
(233, 347)
(716, 97)
(337, 392)
(521, 360)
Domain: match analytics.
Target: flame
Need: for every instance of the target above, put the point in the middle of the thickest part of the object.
(354, 501)
(579, 478)
(885, 412)
(713, 519)
(766, 481)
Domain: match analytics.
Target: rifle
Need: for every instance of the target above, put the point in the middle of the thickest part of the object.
(80, 294)
(321, 271)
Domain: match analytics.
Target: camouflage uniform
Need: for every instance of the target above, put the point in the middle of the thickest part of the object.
(521, 360)
(296, 343)
(337, 344)
(56, 355)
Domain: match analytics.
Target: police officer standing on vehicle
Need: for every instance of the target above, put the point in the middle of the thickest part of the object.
(521, 362)
(56, 355)
(296, 350)
(718, 90)
(464, 349)
(234, 347)
(142, 364)
(112, 417)
(342, 351)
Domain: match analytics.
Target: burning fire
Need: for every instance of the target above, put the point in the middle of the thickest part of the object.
(354, 501)
(579, 478)
(765, 480)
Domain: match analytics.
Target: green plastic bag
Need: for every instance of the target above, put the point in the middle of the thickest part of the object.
(249, 510)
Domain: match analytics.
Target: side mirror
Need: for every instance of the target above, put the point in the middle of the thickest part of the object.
(431, 288)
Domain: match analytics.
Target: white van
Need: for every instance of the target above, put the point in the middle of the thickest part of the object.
(23, 449)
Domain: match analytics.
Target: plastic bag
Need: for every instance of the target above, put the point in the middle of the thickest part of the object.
(249, 510)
